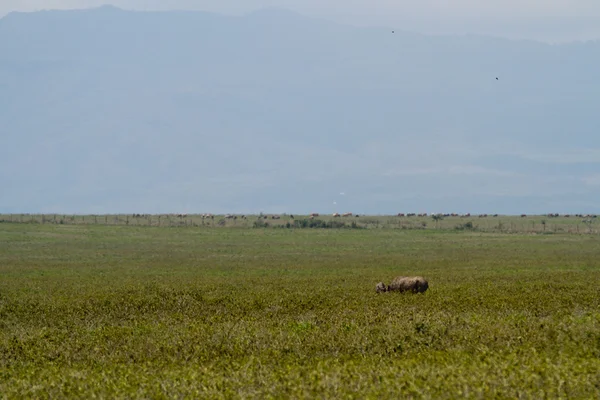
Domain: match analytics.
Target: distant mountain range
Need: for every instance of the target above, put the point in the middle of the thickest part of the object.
(106, 110)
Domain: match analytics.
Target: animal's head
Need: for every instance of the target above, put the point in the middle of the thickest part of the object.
(381, 287)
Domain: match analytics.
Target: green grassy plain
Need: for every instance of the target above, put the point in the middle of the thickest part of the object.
(114, 311)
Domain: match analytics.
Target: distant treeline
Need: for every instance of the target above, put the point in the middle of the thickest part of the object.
(310, 223)
(543, 224)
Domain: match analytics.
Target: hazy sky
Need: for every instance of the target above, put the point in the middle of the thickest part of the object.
(427, 129)
(548, 20)
(356, 7)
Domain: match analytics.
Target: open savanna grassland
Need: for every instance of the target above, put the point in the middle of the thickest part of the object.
(190, 312)
(489, 223)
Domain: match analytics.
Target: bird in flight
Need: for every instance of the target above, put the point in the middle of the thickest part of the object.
(496, 78)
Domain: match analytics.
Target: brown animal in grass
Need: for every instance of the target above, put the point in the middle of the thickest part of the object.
(413, 284)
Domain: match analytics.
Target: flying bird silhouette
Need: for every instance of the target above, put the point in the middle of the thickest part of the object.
(496, 78)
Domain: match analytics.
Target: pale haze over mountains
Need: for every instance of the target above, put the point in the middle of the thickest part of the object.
(543, 20)
(107, 110)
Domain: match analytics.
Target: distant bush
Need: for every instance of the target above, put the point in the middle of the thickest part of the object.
(320, 224)
(468, 226)
(260, 223)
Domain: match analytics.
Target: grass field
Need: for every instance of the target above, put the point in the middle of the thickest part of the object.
(115, 311)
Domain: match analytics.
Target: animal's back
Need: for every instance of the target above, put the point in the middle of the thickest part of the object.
(416, 284)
